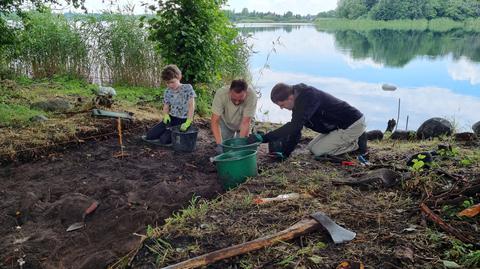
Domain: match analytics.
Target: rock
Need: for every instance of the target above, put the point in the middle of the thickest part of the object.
(106, 91)
(434, 127)
(38, 118)
(374, 135)
(476, 128)
(403, 135)
(55, 105)
(466, 136)
(391, 125)
(388, 87)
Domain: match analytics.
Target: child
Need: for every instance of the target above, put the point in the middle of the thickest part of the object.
(178, 106)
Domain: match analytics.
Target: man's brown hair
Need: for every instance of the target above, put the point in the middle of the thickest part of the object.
(281, 92)
(170, 72)
(238, 85)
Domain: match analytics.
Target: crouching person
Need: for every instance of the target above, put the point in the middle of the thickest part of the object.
(341, 127)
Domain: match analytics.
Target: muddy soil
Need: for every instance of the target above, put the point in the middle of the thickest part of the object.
(41, 199)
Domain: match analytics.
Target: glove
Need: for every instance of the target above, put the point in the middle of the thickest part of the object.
(278, 156)
(219, 149)
(254, 138)
(185, 125)
(166, 119)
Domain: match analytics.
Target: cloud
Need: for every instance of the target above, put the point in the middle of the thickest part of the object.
(359, 64)
(465, 70)
(420, 103)
(282, 6)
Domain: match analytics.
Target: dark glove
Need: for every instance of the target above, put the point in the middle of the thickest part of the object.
(219, 149)
(278, 156)
(255, 138)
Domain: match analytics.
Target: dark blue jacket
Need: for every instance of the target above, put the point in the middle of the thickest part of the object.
(316, 110)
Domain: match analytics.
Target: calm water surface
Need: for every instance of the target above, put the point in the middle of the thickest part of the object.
(436, 74)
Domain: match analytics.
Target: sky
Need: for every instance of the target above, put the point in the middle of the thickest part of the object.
(302, 7)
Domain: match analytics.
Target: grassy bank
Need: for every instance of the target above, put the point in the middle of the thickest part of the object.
(386, 220)
(20, 131)
(438, 25)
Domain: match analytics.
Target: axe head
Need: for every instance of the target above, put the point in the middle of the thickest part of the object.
(337, 232)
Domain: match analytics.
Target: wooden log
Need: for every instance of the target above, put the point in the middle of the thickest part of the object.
(449, 229)
(300, 228)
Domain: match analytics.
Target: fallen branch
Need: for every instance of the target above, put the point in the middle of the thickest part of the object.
(300, 228)
(435, 218)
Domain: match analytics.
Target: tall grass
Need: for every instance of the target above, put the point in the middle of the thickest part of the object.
(106, 49)
(437, 25)
(48, 45)
(121, 52)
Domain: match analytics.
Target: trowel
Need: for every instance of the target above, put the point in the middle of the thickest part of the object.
(79, 225)
(338, 233)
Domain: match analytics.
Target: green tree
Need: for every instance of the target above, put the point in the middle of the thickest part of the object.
(351, 9)
(197, 36)
(398, 10)
(370, 3)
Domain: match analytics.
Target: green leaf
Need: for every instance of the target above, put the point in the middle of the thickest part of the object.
(450, 264)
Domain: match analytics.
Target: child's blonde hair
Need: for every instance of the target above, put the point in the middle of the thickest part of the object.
(170, 72)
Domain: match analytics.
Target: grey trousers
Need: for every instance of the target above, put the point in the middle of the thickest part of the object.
(339, 141)
(226, 132)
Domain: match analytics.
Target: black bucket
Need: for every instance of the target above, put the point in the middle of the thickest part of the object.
(184, 141)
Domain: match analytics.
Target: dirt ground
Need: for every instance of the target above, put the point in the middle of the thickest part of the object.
(42, 198)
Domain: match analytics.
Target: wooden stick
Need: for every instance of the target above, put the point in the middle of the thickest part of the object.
(300, 228)
(435, 218)
(120, 140)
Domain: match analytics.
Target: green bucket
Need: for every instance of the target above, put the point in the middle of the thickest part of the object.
(234, 167)
(236, 144)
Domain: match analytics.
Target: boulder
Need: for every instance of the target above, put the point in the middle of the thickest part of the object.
(466, 136)
(434, 127)
(374, 135)
(54, 105)
(476, 128)
(403, 135)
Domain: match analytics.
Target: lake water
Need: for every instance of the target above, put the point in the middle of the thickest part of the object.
(436, 74)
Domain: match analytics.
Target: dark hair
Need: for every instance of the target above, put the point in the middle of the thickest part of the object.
(281, 92)
(170, 72)
(238, 85)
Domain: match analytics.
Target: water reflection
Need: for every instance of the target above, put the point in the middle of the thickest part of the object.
(378, 105)
(397, 48)
(437, 74)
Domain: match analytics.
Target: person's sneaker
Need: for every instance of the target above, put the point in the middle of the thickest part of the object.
(362, 144)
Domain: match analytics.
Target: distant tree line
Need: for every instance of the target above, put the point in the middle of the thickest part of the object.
(252, 16)
(405, 9)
